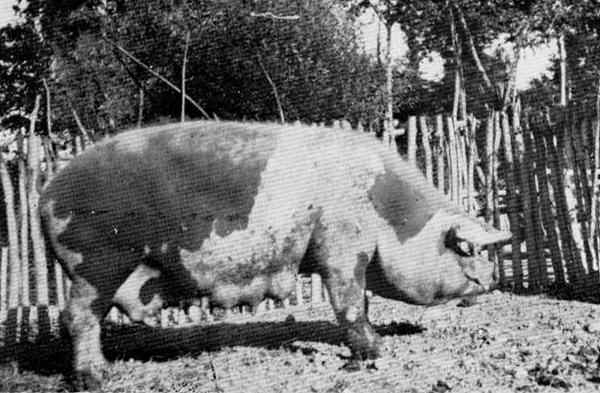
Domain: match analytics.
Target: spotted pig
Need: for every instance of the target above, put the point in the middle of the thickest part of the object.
(230, 210)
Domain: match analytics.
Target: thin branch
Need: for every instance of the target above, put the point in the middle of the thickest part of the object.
(156, 74)
(281, 114)
(510, 91)
(140, 108)
(84, 133)
(465, 26)
(271, 15)
(458, 77)
(183, 72)
(48, 109)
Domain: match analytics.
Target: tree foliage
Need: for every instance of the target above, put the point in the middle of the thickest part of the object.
(313, 59)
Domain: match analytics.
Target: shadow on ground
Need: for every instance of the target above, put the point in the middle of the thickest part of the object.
(146, 343)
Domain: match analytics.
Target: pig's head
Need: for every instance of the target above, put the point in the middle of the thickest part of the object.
(441, 262)
(465, 271)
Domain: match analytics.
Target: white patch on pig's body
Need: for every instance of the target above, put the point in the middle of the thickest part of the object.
(312, 174)
(128, 294)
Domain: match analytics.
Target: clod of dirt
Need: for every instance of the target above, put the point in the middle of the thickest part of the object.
(440, 387)
(549, 376)
(592, 327)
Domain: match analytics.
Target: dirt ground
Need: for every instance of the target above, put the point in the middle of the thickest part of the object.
(504, 343)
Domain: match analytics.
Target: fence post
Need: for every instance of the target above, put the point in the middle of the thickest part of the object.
(472, 154)
(60, 288)
(570, 254)
(548, 218)
(316, 288)
(461, 155)
(39, 249)
(582, 191)
(530, 233)
(489, 155)
(205, 307)
(412, 140)
(513, 214)
(536, 258)
(3, 284)
(299, 298)
(439, 132)
(453, 162)
(425, 140)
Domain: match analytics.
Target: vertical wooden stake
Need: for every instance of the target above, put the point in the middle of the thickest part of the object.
(513, 204)
(426, 148)
(60, 289)
(24, 216)
(13, 239)
(570, 254)
(537, 254)
(453, 162)
(316, 288)
(547, 216)
(440, 153)
(299, 298)
(412, 140)
(3, 284)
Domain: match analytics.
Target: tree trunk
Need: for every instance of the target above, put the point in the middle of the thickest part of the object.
(460, 99)
(24, 215)
(457, 62)
(389, 94)
(471, 43)
(13, 239)
(562, 56)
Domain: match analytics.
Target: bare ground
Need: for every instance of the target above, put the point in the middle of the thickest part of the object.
(505, 343)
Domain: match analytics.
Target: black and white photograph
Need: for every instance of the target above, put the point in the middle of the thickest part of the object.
(337, 196)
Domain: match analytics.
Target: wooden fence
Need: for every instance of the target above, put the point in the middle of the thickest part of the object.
(532, 174)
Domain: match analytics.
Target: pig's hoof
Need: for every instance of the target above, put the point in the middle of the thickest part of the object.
(467, 301)
(86, 380)
(363, 342)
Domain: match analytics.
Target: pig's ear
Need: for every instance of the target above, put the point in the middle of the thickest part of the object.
(469, 229)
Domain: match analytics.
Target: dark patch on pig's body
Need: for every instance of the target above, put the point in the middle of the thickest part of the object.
(175, 191)
(404, 207)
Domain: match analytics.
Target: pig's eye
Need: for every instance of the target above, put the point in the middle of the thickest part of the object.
(466, 248)
(462, 248)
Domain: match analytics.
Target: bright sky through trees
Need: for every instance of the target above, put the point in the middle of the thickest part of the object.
(533, 63)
